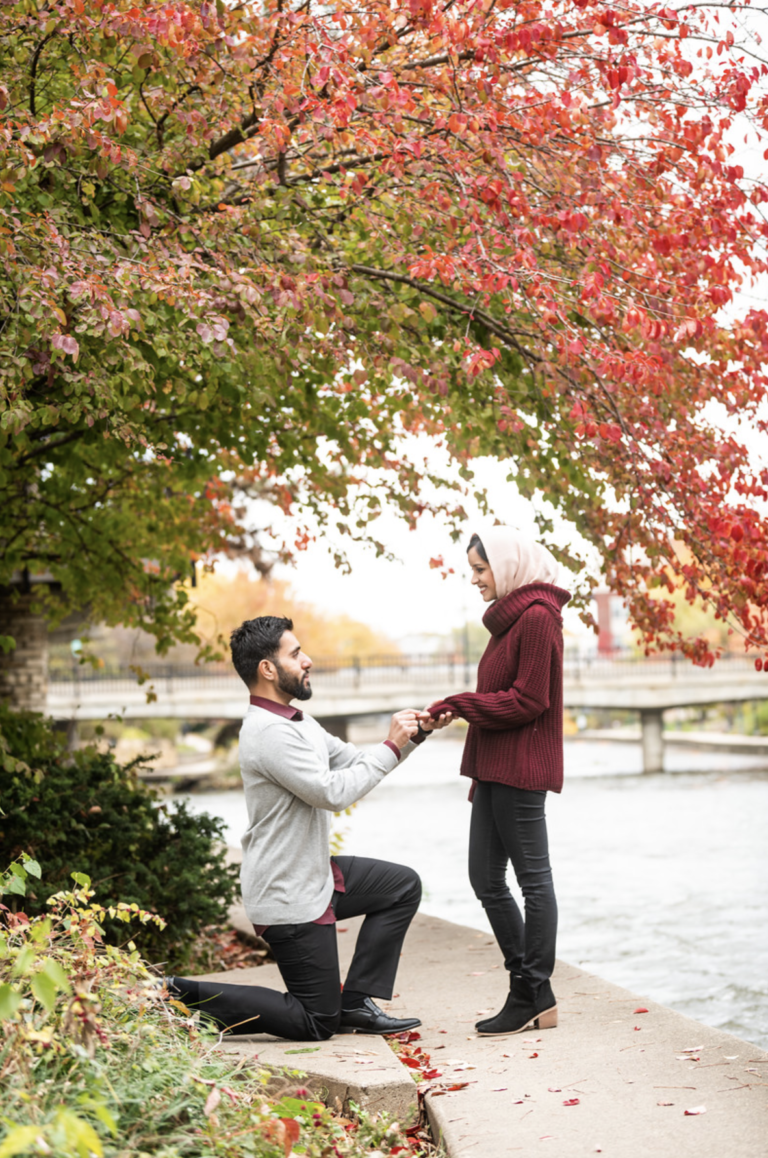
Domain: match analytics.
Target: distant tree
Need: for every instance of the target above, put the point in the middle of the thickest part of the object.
(246, 248)
(221, 603)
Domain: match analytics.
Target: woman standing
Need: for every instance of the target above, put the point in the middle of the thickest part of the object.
(514, 754)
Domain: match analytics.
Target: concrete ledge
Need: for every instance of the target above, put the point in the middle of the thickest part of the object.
(349, 1068)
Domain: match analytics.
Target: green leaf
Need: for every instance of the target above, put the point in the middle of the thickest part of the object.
(14, 885)
(103, 1114)
(306, 1049)
(99, 1110)
(25, 960)
(82, 880)
(19, 1139)
(44, 989)
(78, 1134)
(32, 867)
(10, 1000)
(52, 969)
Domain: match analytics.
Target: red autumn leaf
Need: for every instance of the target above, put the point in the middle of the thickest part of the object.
(641, 1009)
(571, 1102)
(533, 1055)
(696, 1110)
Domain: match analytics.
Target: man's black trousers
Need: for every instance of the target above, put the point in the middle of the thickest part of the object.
(307, 956)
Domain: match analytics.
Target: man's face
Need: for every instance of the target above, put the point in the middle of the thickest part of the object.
(292, 667)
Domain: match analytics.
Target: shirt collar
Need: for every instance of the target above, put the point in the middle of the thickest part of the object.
(284, 710)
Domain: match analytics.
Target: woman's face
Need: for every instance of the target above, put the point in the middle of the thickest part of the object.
(482, 575)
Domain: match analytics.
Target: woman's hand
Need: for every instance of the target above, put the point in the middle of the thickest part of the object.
(430, 723)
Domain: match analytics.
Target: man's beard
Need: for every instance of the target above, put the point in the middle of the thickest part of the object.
(297, 687)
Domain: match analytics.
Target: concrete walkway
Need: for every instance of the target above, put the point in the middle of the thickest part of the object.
(609, 1079)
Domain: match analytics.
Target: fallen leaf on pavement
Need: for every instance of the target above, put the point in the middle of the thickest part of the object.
(665, 1103)
(571, 1102)
(696, 1110)
(533, 1055)
(554, 1089)
(499, 1089)
(641, 1009)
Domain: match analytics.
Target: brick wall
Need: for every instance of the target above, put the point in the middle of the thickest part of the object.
(24, 671)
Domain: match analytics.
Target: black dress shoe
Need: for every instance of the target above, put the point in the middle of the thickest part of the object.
(368, 1018)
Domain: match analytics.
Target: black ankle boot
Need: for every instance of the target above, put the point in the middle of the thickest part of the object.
(525, 1008)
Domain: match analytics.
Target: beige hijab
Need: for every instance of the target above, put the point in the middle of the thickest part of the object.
(516, 559)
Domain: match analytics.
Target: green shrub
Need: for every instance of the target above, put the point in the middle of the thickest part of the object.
(81, 810)
(98, 1062)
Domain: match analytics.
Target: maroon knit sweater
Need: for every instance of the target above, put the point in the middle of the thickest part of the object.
(516, 715)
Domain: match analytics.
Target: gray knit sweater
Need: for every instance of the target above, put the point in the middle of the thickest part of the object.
(296, 775)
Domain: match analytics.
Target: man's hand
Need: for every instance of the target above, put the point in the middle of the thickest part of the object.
(433, 724)
(403, 727)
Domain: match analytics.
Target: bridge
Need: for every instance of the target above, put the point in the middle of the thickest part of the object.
(347, 689)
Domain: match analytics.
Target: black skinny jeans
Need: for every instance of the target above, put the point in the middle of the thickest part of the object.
(508, 824)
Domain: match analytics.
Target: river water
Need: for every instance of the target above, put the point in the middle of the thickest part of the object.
(662, 881)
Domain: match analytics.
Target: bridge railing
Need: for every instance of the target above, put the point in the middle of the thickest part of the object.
(454, 669)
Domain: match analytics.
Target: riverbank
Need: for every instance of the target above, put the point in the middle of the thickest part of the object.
(660, 879)
(621, 1075)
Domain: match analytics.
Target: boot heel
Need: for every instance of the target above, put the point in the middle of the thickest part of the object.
(547, 1020)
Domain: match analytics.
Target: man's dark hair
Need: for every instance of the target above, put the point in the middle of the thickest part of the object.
(255, 640)
(477, 543)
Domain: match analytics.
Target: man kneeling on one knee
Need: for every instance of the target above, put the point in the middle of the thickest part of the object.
(296, 775)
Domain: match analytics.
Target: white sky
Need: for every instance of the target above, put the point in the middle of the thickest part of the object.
(406, 597)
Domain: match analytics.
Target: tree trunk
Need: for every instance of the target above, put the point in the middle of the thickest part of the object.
(23, 671)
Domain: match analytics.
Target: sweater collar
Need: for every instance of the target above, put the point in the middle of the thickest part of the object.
(505, 611)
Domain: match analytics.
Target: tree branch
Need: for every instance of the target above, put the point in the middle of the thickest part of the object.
(33, 71)
(471, 312)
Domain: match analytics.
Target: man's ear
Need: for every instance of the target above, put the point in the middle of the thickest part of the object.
(266, 670)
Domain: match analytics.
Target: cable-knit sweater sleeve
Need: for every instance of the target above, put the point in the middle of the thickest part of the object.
(529, 695)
